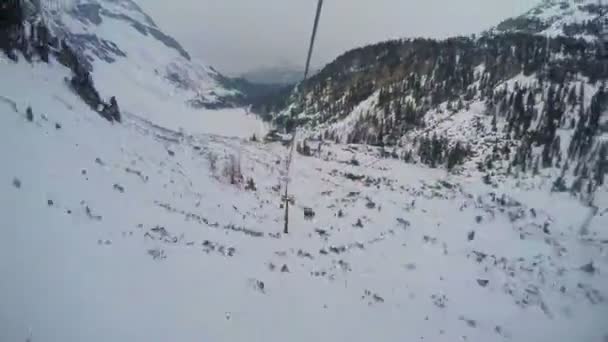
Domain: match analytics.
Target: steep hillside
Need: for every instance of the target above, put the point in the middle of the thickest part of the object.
(120, 50)
(136, 232)
(141, 231)
(122, 43)
(504, 102)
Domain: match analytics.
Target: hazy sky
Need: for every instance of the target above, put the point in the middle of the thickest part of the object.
(239, 35)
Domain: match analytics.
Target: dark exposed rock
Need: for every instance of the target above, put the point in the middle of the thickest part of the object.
(480, 256)
(157, 254)
(260, 286)
(588, 268)
(470, 322)
(29, 114)
(354, 177)
(482, 282)
(471, 235)
(377, 298)
(404, 223)
(370, 204)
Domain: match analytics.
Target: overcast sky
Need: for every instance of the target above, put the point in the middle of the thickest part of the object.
(240, 35)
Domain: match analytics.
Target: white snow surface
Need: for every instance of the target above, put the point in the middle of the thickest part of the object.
(133, 232)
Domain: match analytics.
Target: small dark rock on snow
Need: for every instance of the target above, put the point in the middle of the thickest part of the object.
(546, 229)
(483, 282)
(49, 203)
(377, 298)
(589, 268)
(471, 235)
(260, 285)
(404, 223)
(17, 183)
(470, 322)
(119, 188)
(284, 269)
(57, 126)
(29, 114)
(370, 204)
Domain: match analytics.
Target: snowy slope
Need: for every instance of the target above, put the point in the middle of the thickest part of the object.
(557, 18)
(133, 232)
(148, 71)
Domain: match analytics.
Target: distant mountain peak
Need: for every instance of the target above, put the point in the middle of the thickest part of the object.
(93, 12)
(571, 18)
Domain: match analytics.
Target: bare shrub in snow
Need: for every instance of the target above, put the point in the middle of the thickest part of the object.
(304, 149)
(157, 254)
(250, 185)
(212, 159)
(232, 170)
(440, 300)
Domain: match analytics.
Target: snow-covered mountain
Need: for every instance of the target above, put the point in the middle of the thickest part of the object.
(514, 99)
(122, 43)
(571, 18)
(140, 231)
(129, 57)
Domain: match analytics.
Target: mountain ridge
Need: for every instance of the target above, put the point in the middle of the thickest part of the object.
(530, 96)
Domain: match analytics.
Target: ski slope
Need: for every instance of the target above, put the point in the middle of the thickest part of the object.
(134, 232)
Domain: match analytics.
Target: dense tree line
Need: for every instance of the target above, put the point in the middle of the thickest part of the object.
(413, 77)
